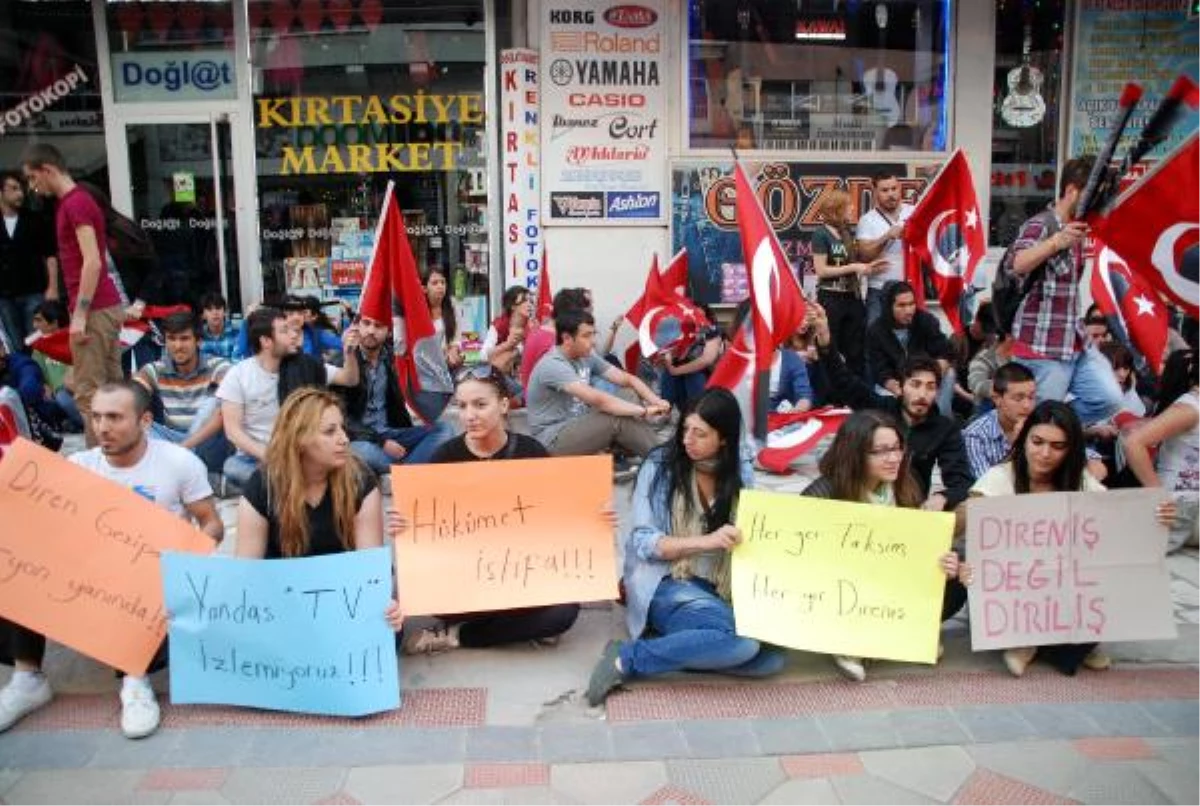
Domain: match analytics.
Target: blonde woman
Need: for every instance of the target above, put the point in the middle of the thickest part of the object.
(839, 278)
(312, 496)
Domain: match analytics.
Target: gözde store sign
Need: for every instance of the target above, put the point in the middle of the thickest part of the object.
(603, 115)
(189, 75)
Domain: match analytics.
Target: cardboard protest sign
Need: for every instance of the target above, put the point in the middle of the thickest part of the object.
(79, 557)
(841, 578)
(304, 635)
(1068, 568)
(495, 535)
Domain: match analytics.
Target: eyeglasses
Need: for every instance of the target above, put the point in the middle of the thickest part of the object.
(892, 450)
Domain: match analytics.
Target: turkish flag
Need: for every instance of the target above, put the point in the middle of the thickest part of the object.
(392, 273)
(663, 288)
(945, 233)
(794, 434)
(1139, 311)
(1155, 226)
(544, 306)
(776, 308)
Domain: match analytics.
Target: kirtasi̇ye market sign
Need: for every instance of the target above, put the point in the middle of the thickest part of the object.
(366, 133)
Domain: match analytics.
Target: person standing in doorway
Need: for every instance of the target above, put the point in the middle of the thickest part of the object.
(878, 236)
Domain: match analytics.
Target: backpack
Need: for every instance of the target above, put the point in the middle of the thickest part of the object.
(1009, 288)
(132, 253)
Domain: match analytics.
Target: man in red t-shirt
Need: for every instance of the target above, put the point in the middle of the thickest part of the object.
(92, 296)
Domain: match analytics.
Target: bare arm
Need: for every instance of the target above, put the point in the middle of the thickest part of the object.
(52, 292)
(251, 532)
(712, 349)
(622, 378)
(231, 416)
(88, 280)
(204, 512)
(347, 374)
(611, 337)
(1177, 419)
(869, 250)
(368, 523)
(206, 431)
(1029, 259)
(602, 401)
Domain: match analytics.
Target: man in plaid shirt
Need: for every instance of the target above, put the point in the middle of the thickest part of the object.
(1046, 332)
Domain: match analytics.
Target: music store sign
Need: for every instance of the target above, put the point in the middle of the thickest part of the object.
(603, 116)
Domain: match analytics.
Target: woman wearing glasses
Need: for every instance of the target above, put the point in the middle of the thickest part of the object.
(1049, 456)
(868, 464)
(482, 396)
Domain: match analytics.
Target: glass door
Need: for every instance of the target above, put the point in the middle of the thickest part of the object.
(182, 194)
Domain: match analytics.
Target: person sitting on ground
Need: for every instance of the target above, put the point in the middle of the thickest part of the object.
(981, 370)
(48, 318)
(502, 346)
(902, 331)
(540, 338)
(482, 397)
(790, 389)
(251, 391)
(218, 337)
(683, 377)
(1095, 327)
(312, 497)
(168, 476)
(1048, 457)
(439, 357)
(185, 385)
(573, 418)
(321, 339)
(868, 464)
(677, 557)
(1176, 469)
(381, 431)
(989, 437)
(932, 437)
(1122, 360)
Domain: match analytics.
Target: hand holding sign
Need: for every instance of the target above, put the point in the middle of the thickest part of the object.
(79, 557)
(485, 536)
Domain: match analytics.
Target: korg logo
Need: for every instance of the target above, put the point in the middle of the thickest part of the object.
(572, 17)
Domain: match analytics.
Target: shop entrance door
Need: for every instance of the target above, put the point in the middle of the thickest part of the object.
(182, 192)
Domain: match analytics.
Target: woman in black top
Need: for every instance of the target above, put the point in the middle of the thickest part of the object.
(311, 496)
(482, 397)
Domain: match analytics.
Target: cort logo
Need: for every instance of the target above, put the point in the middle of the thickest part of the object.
(560, 17)
(632, 100)
(630, 16)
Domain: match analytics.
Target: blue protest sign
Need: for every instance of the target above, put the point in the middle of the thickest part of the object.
(303, 635)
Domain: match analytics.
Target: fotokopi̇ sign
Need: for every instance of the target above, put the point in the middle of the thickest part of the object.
(366, 133)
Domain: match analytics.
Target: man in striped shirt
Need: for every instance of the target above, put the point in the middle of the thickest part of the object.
(185, 384)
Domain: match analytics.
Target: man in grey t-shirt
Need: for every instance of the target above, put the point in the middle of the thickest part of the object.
(573, 418)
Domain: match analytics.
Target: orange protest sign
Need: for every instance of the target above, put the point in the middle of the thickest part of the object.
(495, 535)
(79, 557)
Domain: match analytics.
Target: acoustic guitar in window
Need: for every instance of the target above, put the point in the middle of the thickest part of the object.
(1023, 106)
(880, 82)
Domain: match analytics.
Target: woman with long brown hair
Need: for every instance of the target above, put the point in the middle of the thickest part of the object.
(839, 278)
(311, 496)
(868, 463)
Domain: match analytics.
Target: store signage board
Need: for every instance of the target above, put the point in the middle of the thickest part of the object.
(603, 113)
(193, 75)
(519, 129)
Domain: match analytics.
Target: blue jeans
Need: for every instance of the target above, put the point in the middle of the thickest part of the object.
(212, 451)
(679, 389)
(874, 304)
(239, 468)
(696, 632)
(419, 443)
(430, 405)
(1088, 377)
(16, 317)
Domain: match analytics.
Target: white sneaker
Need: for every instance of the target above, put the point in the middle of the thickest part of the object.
(430, 641)
(23, 696)
(139, 708)
(851, 667)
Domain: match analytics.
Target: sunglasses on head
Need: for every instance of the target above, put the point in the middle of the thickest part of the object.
(480, 372)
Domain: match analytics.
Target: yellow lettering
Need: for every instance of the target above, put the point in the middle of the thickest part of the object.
(420, 100)
(418, 159)
(449, 154)
(401, 111)
(374, 112)
(317, 111)
(470, 108)
(332, 164)
(346, 102)
(442, 104)
(360, 159)
(387, 159)
(269, 115)
(298, 162)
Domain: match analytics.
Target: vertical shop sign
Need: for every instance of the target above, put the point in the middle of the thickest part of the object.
(1118, 42)
(604, 110)
(519, 134)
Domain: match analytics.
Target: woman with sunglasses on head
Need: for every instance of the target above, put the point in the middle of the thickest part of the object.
(482, 396)
(1048, 456)
(868, 464)
(311, 496)
(677, 560)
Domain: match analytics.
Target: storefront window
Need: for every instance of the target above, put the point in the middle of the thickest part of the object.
(1025, 112)
(348, 96)
(49, 86)
(823, 75)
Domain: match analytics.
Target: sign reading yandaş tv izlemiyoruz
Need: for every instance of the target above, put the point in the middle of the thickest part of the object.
(603, 113)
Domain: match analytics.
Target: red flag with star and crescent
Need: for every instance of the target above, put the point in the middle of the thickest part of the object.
(946, 234)
(777, 308)
(1155, 226)
(1139, 311)
(663, 287)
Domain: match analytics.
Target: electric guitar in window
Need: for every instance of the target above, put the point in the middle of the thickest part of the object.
(1023, 106)
(880, 82)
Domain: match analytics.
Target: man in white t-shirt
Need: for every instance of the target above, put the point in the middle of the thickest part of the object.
(878, 235)
(249, 392)
(170, 476)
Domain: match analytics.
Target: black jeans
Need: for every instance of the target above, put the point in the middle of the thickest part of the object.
(953, 599)
(19, 643)
(848, 326)
(498, 627)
